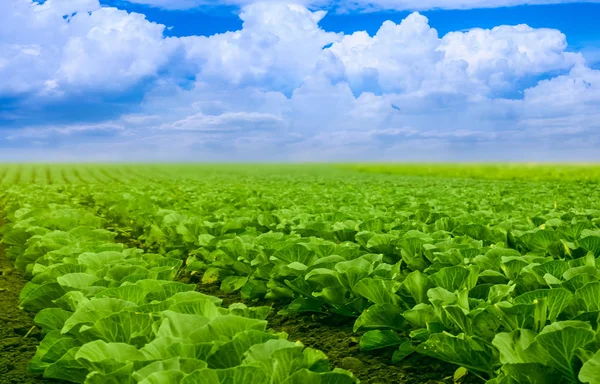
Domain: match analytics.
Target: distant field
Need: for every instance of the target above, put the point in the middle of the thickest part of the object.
(486, 171)
(123, 173)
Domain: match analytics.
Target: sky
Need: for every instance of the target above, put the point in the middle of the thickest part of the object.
(304, 81)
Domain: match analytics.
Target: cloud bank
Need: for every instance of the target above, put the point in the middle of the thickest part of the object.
(362, 5)
(282, 88)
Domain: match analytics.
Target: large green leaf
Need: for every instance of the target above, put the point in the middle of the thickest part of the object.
(231, 354)
(107, 357)
(237, 375)
(380, 316)
(122, 327)
(589, 296)
(95, 310)
(337, 376)
(470, 352)
(36, 297)
(176, 364)
(51, 319)
(378, 291)
(557, 344)
(377, 339)
(590, 372)
(591, 243)
(54, 346)
(417, 284)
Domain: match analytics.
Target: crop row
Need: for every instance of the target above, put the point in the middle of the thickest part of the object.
(112, 314)
(497, 282)
(82, 174)
(501, 278)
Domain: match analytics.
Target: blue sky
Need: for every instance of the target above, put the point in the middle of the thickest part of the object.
(236, 80)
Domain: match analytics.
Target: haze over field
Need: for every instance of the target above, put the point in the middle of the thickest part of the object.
(236, 80)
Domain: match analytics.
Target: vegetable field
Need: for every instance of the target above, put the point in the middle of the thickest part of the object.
(328, 274)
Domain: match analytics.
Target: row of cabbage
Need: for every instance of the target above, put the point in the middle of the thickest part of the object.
(500, 278)
(113, 314)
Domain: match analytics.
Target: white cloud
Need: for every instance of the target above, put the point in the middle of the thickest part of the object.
(75, 45)
(271, 91)
(365, 5)
(64, 130)
(225, 122)
(409, 57)
(278, 46)
(421, 5)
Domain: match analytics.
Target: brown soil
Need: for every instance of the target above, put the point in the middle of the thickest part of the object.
(18, 338)
(334, 336)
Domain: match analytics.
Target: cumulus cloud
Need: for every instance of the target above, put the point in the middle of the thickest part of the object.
(64, 46)
(278, 45)
(282, 88)
(410, 56)
(365, 5)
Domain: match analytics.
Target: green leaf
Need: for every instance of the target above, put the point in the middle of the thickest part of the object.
(128, 292)
(451, 278)
(225, 328)
(589, 296)
(51, 349)
(351, 272)
(557, 298)
(531, 373)
(377, 291)
(512, 346)
(404, 350)
(380, 316)
(175, 364)
(557, 344)
(36, 297)
(107, 357)
(337, 376)
(122, 327)
(458, 316)
(95, 310)
(378, 339)
(72, 301)
(122, 375)
(79, 281)
(179, 325)
(96, 261)
(239, 309)
(241, 375)
(231, 354)
(51, 319)
(591, 243)
(296, 253)
(163, 377)
(417, 283)
(420, 315)
(165, 347)
(470, 352)
(233, 283)
(67, 368)
(590, 372)
(201, 306)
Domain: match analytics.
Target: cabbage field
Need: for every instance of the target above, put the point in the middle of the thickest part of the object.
(332, 274)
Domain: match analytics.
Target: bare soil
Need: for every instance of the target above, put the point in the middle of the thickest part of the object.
(18, 337)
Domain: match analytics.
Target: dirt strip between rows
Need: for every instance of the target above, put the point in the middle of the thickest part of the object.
(18, 337)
